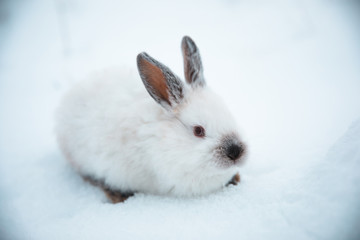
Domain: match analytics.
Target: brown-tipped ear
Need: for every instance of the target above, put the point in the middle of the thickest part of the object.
(162, 85)
(192, 63)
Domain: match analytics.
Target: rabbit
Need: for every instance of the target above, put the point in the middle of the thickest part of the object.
(180, 141)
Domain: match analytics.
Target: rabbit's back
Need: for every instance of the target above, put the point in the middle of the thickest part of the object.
(99, 126)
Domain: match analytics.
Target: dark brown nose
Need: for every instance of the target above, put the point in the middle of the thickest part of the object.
(234, 151)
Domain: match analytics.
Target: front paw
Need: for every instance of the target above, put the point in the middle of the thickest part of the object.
(234, 180)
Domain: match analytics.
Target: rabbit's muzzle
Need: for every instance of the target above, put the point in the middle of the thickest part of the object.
(234, 151)
(230, 150)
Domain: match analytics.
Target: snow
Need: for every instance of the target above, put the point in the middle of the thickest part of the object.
(288, 69)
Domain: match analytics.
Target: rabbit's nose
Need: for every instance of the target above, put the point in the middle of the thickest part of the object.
(234, 151)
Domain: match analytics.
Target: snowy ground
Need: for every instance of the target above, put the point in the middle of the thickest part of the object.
(290, 70)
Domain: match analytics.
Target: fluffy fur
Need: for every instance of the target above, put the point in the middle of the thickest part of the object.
(109, 128)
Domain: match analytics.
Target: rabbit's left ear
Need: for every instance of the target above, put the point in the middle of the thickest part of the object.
(193, 68)
(160, 82)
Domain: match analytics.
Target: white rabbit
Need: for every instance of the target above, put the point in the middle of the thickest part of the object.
(185, 143)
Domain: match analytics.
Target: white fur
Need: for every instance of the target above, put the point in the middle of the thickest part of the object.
(110, 128)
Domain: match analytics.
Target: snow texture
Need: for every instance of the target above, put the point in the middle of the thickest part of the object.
(289, 70)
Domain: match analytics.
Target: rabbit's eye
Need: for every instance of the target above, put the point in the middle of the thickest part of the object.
(199, 131)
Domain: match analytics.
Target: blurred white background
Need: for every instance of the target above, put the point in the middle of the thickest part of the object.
(289, 70)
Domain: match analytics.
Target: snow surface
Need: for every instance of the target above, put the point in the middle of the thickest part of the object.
(290, 70)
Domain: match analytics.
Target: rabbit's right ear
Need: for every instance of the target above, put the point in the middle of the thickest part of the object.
(161, 83)
(193, 68)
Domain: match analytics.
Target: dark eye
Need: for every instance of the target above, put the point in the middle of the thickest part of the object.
(199, 131)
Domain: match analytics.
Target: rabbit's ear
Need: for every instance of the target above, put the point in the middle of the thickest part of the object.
(192, 63)
(161, 83)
